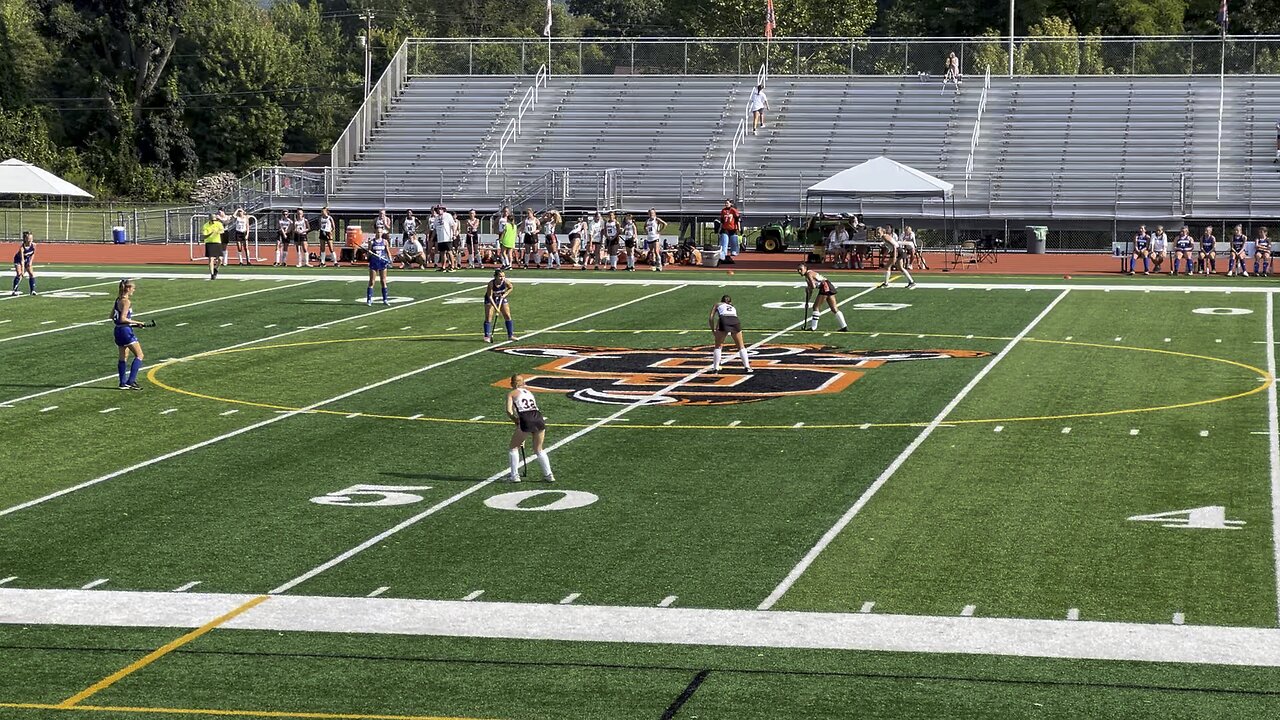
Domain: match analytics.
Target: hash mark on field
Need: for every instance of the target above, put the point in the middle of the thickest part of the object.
(108, 410)
(636, 332)
(264, 327)
(473, 595)
(669, 422)
(352, 415)
(379, 591)
(2, 322)
(920, 336)
(188, 586)
(49, 409)
(407, 327)
(798, 425)
(826, 334)
(875, 335)
(362, 327)
(968, 337)
(1073, 614)
(48, 322)
(864, 426)
(1204, 433)
(667, 601)
(999, 428)
(229, 412)
(455, 327)
(1217, 340)
(1070, 336)
(6, 581)
(181, 325)
(866, 607)
(1168, 339)
(568, 599)
(621, 419)
(1118, 339)
(683, 332)
(95, 583)
(1134, 431)
(478, 417)
(1179, 618)
(968, 610)
(226, 325)
(1066, 431)
(415, 417)
(735, 423)
(169, 411)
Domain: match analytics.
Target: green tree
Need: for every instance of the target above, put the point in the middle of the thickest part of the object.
(1059, 54)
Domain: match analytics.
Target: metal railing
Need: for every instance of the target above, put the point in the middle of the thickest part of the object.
(1075, 55)
(358, 132)
(515, 128)
(977, 130)
(79, 223)
(740, 134)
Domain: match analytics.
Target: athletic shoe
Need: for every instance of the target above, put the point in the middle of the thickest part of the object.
(34, 293)
(133, 386)
(512, 338)
(123, 386)
(715, 369)
(548, 478)
(749, 371)
(15, 293)
(844, 329)
(1144, 272)
(369, 303)
(911, 285)
(1245, 273)
(514, 479)
(488, 339)
(386, 302)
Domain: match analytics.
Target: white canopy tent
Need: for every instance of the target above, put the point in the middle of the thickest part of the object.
(881, 177)
(20, 178)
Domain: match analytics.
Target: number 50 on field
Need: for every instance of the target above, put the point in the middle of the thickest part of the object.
(541, 500)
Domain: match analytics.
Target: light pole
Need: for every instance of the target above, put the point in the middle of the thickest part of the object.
(366, 42)
(1011, 37)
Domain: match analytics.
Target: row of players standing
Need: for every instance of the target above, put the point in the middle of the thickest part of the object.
(1156, 248)
(597, 241)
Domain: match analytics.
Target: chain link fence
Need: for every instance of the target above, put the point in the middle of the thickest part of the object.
(1079, 55)
(53, 223)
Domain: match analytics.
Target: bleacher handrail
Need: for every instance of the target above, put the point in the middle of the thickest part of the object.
(740, 133)
(515, 127)
(977, 129)
(353, 139)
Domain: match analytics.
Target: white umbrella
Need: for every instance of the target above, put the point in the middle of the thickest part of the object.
(20, 178)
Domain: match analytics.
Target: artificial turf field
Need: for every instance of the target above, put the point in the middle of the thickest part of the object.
(994, 497)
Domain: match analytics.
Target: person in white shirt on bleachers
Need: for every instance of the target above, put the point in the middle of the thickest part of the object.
(758, 103)
(953, 73)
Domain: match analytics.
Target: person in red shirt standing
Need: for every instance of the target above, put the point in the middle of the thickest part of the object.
(730, 226)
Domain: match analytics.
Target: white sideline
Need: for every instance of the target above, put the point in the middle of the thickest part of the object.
(1072, 639)
(8, 296)
(1273, 440)
(846, 281)
(329, 323)
(907, 452)
(159, 310)
(279, 417)
(410, 522)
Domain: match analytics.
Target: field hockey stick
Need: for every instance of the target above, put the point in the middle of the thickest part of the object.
(524, 462)
(804, 311)
(148, 324)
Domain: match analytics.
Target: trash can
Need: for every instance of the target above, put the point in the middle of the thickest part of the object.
(1036, 235)
(118, 235)
(711, 256)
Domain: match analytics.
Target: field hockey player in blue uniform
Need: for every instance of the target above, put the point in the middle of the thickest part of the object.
(1237, 260)
(497, 295)
(126, 341)
(1262, 254)
(379, 261)
(1141, 249)
(24, 263)
(1208, 252)
(1182, 247)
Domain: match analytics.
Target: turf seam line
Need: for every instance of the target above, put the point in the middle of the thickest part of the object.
(1048, 682)
(828, 537)
(219, 438)
(160, 652)
(158, 311)
(686, 694)
(1273, 441)
(410, 522)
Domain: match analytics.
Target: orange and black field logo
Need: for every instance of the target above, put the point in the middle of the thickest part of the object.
(623, 376)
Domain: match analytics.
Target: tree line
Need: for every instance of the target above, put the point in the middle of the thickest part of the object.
(138, 98)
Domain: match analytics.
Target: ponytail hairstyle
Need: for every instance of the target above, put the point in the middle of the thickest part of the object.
(123, 288)
(515, 380)
(726, 299)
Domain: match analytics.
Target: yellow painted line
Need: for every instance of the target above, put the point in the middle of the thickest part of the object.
(158, 653)
(224, 713)
(1263, 375)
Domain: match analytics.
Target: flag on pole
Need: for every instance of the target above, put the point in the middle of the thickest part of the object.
(1222, 17)
(546, 31)
(770, 20)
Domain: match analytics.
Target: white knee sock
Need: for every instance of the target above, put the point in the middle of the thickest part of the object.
(514, 456)
(813, 321)
(840, 319)
(907, 273)
(545, 462)
(887, 273)
(715, 355)
(746, 364)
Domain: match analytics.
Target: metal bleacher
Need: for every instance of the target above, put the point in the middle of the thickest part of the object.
(1061, 147)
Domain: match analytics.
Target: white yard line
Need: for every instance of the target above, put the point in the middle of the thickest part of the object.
(299, 411)
(1273, 441)
(247, 343)
(906, 453)
(410, 522)
(103, 321)
(1079, 639)
(46, 293)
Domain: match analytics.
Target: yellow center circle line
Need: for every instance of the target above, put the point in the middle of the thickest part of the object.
(1263, 375)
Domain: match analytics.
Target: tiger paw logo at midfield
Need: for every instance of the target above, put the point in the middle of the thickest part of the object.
(623, 376)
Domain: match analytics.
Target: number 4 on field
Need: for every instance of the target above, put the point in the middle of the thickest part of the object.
(1210, 517)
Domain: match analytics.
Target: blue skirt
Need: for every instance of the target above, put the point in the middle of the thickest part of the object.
(377, 263)
(125, 336)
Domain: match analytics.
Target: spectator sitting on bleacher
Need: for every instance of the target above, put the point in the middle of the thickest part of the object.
(1208, 252)
(1159, 248)
(412, 251)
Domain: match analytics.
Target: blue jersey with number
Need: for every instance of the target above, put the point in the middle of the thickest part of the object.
(1182, 242)
(1238, 241)
(24, 255)
(123, 333)
(498, 290)
(1208, 243)
(1142, 242)
(378, 246)
(1263, 243)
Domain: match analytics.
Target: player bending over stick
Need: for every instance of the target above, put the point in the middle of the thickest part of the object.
(523, 410)
(826, 290)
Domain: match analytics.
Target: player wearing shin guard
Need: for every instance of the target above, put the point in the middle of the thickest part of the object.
(1182, 249)
(1237, 261)
(724, 323)
(893, 257)
(1159, 249)
(1141, 249)
(1262, 253)
(612, 231)
(24, 263)
(497, 296)
(1208, 252)
(522, 408)
(550, 221)
(653, 226)
(126, 341)
(629, 241)
(826, 292)
(379, 261)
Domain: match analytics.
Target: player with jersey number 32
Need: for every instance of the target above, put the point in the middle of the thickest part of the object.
(522, 408)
